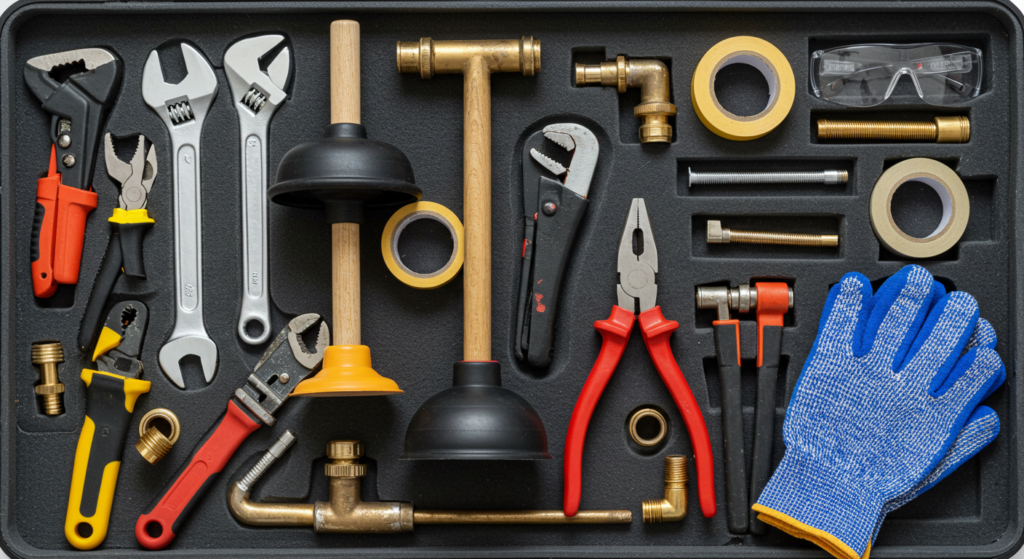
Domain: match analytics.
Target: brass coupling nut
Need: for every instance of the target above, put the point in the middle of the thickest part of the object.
(343, 456)
(47, 355)
(652, 77)
(673, 507)
(634, 427)
(153, 444)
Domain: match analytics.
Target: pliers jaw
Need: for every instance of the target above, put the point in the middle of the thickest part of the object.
(638, 261)
(120, 343)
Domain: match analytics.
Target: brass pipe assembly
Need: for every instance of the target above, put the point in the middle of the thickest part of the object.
(346, 512)
(942, 130)
(673, 507)
(46, 355)
(652, 77)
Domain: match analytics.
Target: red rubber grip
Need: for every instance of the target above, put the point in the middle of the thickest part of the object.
(656, 331)
(614, 335)
(47, 188)
(166, 515)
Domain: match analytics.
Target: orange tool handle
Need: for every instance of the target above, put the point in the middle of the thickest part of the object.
(656, 331)
(614, 332)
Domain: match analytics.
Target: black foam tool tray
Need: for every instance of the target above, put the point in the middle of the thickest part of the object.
(416, 336)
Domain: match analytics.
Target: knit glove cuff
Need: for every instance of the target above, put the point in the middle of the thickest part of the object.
(824, 505)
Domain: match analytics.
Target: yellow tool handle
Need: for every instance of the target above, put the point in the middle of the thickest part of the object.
(110, 400)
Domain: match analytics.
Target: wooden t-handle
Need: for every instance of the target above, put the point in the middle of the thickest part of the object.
(345, 236)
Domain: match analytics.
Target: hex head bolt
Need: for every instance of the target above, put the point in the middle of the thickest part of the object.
(827, 177)
(720, 235)
(942, 130)
(652, 77)
(47, 355)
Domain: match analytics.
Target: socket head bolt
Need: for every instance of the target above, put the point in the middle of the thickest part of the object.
(153, 445)
(47, 354)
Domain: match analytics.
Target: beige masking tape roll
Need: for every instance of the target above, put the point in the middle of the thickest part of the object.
(764, 57)
(956, 208)
(393, 231)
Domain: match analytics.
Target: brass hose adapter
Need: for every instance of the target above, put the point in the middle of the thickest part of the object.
(346, 512)
(652, 77)
(47, 355)
(673, 507)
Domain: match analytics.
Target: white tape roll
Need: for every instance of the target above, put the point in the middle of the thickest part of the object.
(956, 208)
(393, 231)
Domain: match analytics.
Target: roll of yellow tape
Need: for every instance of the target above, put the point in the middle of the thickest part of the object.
(393, 231)
(764, 57)
(956, 208)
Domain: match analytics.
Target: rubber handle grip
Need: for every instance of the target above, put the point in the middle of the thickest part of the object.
(656, 331)
(770, 347)
(614, 332)
(163, 519)
(521, 343)
(106, 278)
(110, 401)
(44, 225)
(73, 207)
(727, 345)
(131, 235)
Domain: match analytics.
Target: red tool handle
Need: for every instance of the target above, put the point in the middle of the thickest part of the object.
(656, 331)
(158, 525)
(614, 335)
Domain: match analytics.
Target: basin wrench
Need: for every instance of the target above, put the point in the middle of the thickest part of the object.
(183, 107)
(256, 94)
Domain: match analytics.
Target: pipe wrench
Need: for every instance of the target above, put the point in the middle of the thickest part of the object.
(256, 94)
(77, 87)
(183, 107)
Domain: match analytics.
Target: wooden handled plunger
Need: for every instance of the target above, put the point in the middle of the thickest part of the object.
(341, 173)
(476, 419)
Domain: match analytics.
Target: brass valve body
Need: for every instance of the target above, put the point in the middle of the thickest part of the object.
(346, 512)
(942, 130)
(652, 77)
(47, 355)
(673, 507)
(153, 445)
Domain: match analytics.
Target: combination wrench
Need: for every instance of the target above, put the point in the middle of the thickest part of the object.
(256, 94)
(183, 107)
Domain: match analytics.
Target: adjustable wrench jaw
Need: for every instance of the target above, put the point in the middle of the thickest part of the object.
(255, 92)
(183, 105)
(584, 147)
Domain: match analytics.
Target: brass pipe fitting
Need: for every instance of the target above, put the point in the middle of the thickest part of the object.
(47, 354)
(346, 512)
(942, 130)
(652, 77)
(153, 445)
(429, 57)
(634, 421)
(721, 235)
(673, 507)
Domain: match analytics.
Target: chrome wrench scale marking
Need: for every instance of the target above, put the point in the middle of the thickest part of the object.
(256, 95)
(183, 108)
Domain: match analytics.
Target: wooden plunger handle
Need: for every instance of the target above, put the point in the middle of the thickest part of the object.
(476, 211)
(345, 236)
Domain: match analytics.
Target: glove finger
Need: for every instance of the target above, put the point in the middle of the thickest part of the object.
(983, 336)
(846, 310)
(942, 340)
(899, 310)
(977, 374)
(981, 429)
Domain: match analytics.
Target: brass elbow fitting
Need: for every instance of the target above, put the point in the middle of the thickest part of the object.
(652, 77)
(673, 507)
(347, 513)
(429, 57)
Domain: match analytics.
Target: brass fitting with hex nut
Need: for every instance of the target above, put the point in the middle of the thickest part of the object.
(47, 354)
(652, 77)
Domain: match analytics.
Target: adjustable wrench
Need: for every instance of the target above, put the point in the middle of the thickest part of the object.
(256, 94)
(183, 109)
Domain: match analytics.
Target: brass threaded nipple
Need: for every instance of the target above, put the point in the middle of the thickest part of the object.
(675, 469)
(942, 129)
(153, 444)
(46, 355)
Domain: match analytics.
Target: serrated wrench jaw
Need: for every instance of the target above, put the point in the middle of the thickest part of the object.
(298, 325)
(197, 90)
(252, 89)
(174, 350)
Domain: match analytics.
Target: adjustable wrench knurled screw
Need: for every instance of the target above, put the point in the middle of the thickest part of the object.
(256, 95)
(183, 107)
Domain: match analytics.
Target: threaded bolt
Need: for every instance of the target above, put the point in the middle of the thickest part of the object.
(47, 355)
(942, 129)
(720, 235)
(829, 177)
(283, 443)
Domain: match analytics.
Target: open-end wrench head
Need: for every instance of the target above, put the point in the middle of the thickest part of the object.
(175, 350)
(197, 90)
(251, 87)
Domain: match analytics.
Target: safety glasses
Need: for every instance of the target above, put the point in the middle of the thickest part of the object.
(866, 75)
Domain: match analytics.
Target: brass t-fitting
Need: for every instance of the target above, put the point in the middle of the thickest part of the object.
(47, 355)
(673, 507)
(429, 57)
(652, 77)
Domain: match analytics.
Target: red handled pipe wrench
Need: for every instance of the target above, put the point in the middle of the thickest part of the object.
(637, 290)
(283, 366)
(77, 88)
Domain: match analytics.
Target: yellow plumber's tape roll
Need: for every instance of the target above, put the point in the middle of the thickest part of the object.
(956, 208)
(393, 231)
(764, 57)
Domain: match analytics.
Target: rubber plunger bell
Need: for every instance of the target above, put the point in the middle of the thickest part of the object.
(343, 172)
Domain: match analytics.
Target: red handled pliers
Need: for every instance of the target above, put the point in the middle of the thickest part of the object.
(636, 286)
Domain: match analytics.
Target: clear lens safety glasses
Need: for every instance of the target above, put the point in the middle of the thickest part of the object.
(866, 75)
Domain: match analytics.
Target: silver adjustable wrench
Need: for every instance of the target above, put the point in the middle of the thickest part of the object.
(183, 109)
(256, 94)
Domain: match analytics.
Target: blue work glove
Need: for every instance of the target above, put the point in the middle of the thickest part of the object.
(883, 394)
